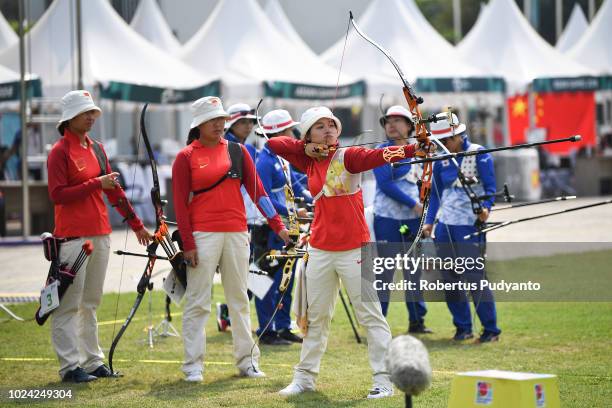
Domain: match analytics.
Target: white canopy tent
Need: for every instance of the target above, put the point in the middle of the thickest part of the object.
(399, 27)
(503, 43)
(594, 49)
(574, 29)
(8, 36)
(119, 66)
(149, 22)
(250, 51)
(10, 84)
(111, 52)
(281, 22)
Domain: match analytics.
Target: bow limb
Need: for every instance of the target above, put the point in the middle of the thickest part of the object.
(143, 285)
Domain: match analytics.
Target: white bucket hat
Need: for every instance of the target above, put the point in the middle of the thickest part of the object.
(310, 116)
(396, 110)
(205, 109)
(442, 128)
(76, 102)
(276, 121)
(239, 111)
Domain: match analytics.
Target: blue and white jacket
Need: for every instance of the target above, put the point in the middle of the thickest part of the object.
(449, 202)
(396, 190)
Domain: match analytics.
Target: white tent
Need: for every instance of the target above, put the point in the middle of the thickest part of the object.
(594, 49)
(149, 22)
(574, 29)
(10, 86)
(7, 34)
(281, 22)
(400, 27)
(504, 44)
(250, 50)
(8, 75)
(112, 52)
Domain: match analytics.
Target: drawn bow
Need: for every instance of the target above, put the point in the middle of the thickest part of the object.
(422, 135)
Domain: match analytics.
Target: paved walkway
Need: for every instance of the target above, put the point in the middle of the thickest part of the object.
(23, 269)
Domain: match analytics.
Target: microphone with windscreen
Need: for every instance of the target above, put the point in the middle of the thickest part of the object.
(408, 363)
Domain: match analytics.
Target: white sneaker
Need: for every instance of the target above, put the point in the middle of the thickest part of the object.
(252, 372)
(380, 392)
(293, 389)
(194, 376)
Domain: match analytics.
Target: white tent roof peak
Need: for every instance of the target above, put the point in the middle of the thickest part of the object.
(8, 36)
(279, 19)
(149, 22)
(593, 49)
(503, 43)
(399, 27)
(112, 51)
(251, 47)
(574, 29)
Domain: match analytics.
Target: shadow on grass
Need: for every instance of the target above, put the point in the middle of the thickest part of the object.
(318, 399)
(444, 344)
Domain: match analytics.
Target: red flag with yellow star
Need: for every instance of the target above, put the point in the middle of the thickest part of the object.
(518, 118)
(565, 114)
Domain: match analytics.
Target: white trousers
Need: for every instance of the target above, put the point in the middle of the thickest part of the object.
(74, 327)
(229, 250)
(322, 285)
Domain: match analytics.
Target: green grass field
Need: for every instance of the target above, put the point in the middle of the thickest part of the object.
(571, 340)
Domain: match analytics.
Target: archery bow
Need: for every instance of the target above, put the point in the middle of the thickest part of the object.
(161, 236)
(422, 135)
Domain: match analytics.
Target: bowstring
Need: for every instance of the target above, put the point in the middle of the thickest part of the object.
(348, 27)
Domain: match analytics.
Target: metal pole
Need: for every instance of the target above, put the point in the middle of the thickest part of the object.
(25, 192)
(591, 10)
(558, 18)
(457, 20)
(79, 46)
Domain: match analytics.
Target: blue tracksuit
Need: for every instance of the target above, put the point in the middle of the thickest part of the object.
(273, 180)
(396, 195)
(452, 208)
(252, 213)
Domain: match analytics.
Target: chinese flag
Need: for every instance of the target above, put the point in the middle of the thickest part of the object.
(565, 114)
(518, 118)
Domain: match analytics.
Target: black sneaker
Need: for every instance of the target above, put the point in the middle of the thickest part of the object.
(289, 336)
(223, 320)
(272, 339)
(78, 375)
(102, 372)
(463, 335)
(488, 337)
(418, 328)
